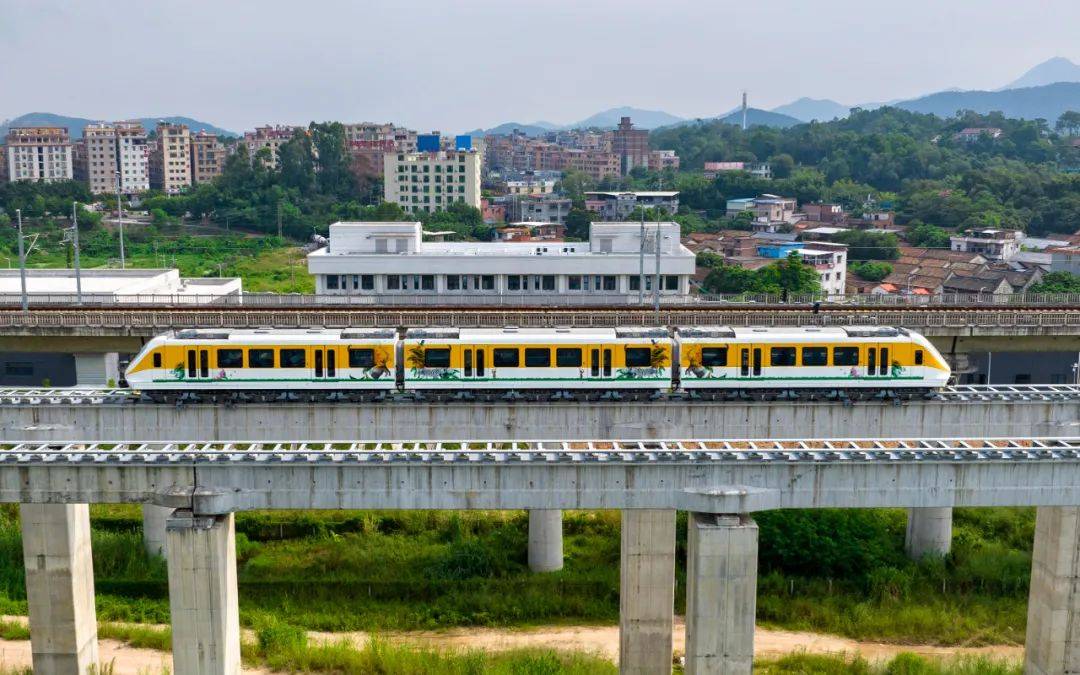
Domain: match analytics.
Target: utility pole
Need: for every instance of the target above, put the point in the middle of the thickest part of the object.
(279, 218)
(641, 262)
(75, 243)
(656, 278)
(120, 217)
(22, 263)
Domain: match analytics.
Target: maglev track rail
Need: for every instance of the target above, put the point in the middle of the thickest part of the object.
(958, 393)
(920, 450)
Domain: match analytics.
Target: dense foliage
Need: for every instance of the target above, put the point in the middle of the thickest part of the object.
(1057, 282)
(789, 275)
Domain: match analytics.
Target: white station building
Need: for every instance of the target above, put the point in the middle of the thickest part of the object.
(385, 260)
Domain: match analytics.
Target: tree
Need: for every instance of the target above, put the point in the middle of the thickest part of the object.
(1057, 282)
(575, 184)
(1068, 123)
(869, 245)
(782, 165)
(577, 223)
(871, 271)
(790, 275)
(928, 236)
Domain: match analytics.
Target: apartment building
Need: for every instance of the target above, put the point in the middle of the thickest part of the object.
(663, 159)
(619, 205)
(759, 169)
(631, 145)
(112, 150)
(38, 154)
(207, 157)
(170, 158)
(992, 244)
(540, 208)
(271, 137)
(598, 165)
(431, 181)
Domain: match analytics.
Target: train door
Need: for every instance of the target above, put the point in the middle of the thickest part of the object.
(325, 362)
(749, 361)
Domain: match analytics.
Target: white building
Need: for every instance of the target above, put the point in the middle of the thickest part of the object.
(388, 259)
(431, 181)
(112, 148)
(992, 244)
(830, 263)
(619, 205)
(104, 285)
(39, 154)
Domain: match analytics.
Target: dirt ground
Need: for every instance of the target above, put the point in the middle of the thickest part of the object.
(603, 640)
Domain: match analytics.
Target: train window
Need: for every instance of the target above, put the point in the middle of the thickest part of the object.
(157, 359)
(537, 358)
(638, 357)
(506, 358)
(436, 358)
(468, 362)
(293, 358)
(260, 358)
(361, 358)
(782, 356)
(918, 357)
(884, 368)
(713, 356)
(230, 358)
(871, 361)
(566, 357)
(815, 356)
(845, 356)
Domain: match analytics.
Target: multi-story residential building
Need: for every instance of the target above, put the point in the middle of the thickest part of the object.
(619, 205)
(597, 164)
(530, 185)
(119, 149)
(391, 259)
(759, 169)
(545, 208)
(990, 243)
(663, 159)
(39, 154)
(402, 139)
(766, 208)
(207, 157)
(431, 181)
(79, 164)
(972, 134)
(170, 159)
(824, 213)
(631, 145)
(271, 137)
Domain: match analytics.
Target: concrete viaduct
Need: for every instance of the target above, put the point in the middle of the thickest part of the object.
(721, 484)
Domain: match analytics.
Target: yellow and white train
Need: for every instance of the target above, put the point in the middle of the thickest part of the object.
(360, 364)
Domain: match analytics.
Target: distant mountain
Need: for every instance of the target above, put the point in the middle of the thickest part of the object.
(809, 109)
(535, 129)
(75, 124)
(1046, 101)
(642, 119)
(755, 117)
(1057, 69)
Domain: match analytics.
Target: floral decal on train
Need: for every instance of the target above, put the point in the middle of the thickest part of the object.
(416, 360)
(658, 360)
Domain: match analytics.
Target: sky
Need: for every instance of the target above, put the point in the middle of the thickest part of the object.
(459, 65)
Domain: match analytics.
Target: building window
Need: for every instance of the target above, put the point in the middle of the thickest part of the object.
(367, 282)
(393, 282)
(548, 282)
(609, 282)
(487, 282)
(427, 282)
(332, 282)
(573, 282)
(671, 282)
(453, 282)
(513, 282)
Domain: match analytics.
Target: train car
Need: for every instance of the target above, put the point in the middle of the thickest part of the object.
(258, 362)
(537, 359)
(855, 359)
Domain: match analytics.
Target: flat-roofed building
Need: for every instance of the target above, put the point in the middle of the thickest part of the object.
(270, 137)
(619, 205)
(388, 260)
(114, 150)
(431, 181)
(39, 154)
(170, 159)
(207, 157)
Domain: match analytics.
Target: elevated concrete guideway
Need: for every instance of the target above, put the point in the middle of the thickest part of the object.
(102, 415)
(720, 482)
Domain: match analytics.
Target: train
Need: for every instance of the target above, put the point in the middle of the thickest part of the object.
(712, 362)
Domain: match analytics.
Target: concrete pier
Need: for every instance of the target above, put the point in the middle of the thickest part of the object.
(60, 587)
(929, 532)
(153, 523)
(1053, 631)
(545, 540)
(203, 595)
(721, 594)
(646, 591)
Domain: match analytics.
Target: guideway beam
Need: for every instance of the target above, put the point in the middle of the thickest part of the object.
(721, 594)
(203, 599)
(646, 591)
(60, 587)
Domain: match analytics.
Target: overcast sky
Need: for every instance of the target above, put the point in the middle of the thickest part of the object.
(475, 63)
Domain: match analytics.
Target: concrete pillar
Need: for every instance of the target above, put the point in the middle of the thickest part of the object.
(60, 587)
(96, 369)
(929, 532)
(1053, 624)
(646, 591)
(202, 594)
(721, 594)
(545, 540)
(153, 524)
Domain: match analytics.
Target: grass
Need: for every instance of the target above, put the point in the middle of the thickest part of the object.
(903, 664)
(841, 572)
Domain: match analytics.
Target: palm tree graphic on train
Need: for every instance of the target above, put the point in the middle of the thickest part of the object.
(658, 360)
(417, 360)
(696, 364)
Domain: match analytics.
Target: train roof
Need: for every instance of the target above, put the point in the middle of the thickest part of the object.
(791, 333)
(556, 334)
(290, 335)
